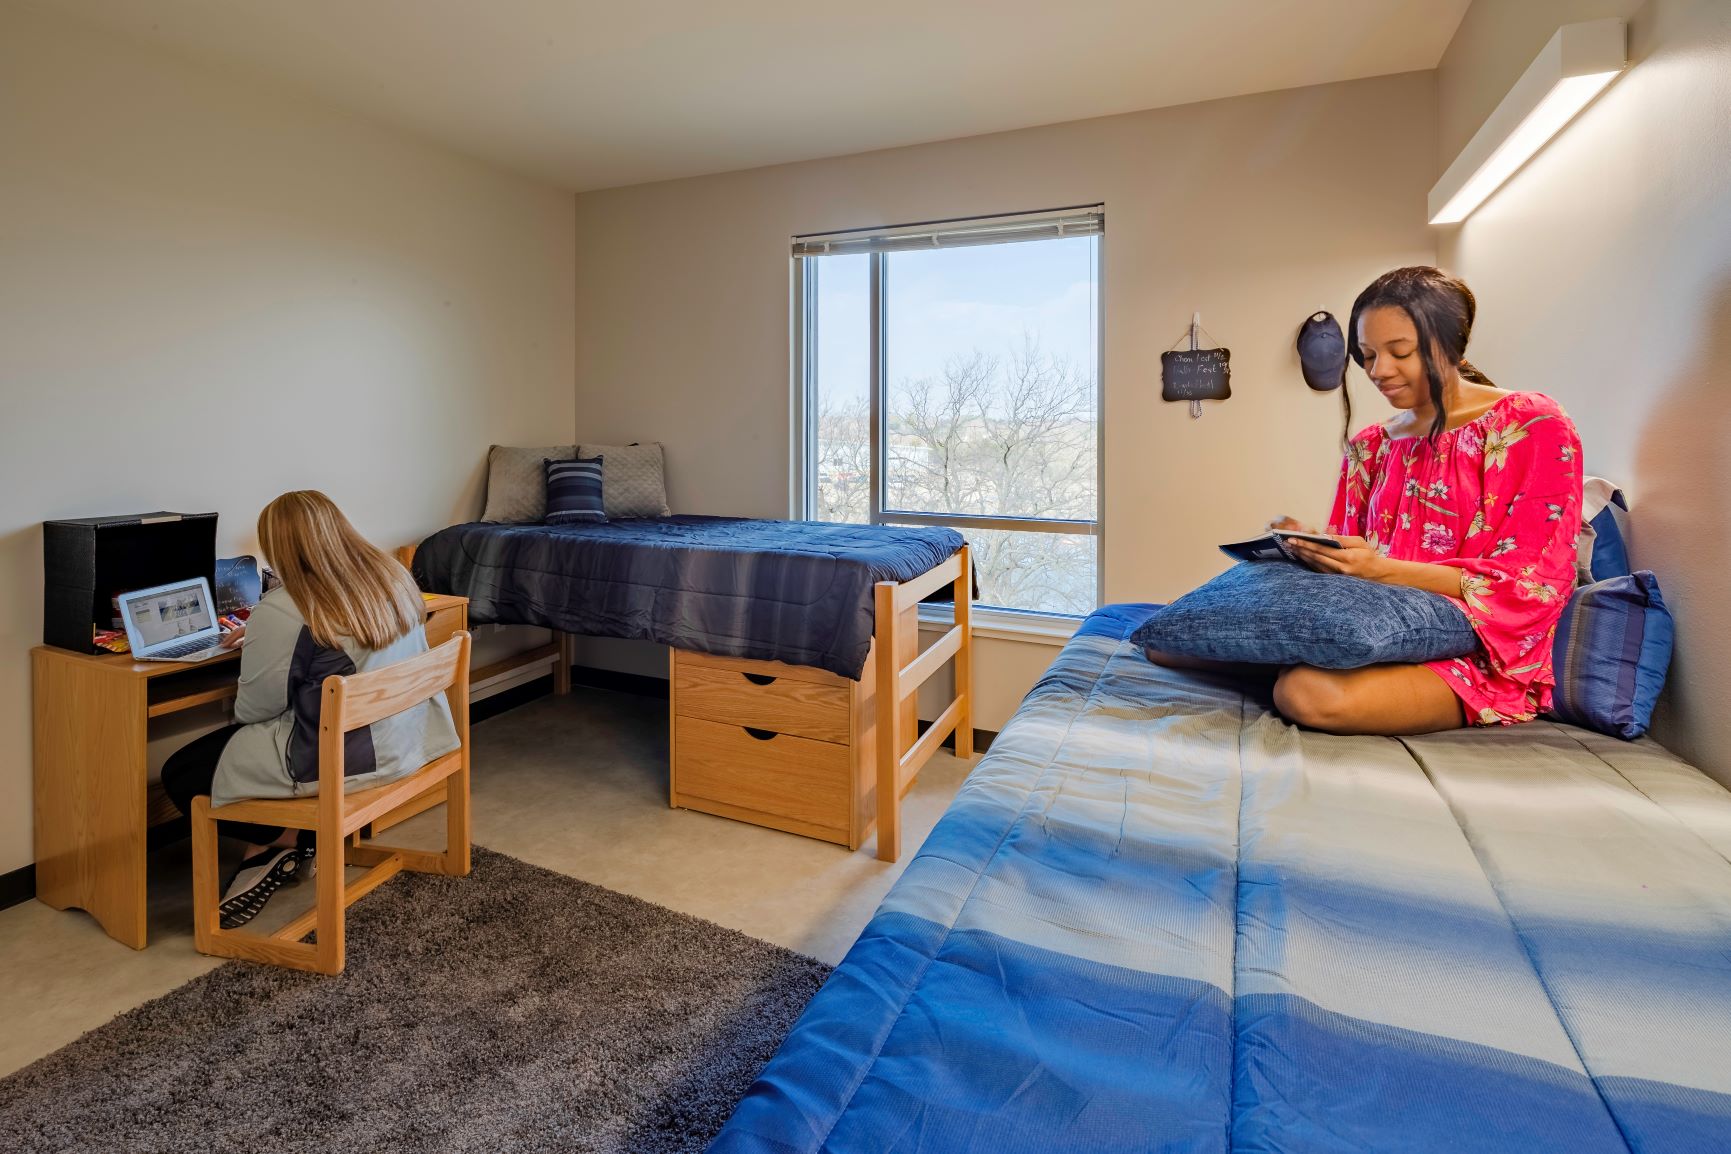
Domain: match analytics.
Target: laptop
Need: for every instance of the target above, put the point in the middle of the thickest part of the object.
(173, 622)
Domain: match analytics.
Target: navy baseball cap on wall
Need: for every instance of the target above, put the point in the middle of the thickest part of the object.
(1322, 352)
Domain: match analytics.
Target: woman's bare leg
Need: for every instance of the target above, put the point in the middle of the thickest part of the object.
(1390, 700)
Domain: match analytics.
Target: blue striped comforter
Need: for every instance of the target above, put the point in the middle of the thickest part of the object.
(1156, 917)
(793, 591)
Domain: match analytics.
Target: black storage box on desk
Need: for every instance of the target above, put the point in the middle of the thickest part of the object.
(88, 561)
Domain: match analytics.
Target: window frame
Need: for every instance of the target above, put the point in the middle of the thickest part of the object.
(1035, 624)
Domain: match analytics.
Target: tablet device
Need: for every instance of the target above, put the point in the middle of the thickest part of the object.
(1271, 546)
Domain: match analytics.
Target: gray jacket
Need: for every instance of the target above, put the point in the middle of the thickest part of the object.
(275, 753)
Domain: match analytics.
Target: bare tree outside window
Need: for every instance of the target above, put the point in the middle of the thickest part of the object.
(844, 460)
(1006, 428)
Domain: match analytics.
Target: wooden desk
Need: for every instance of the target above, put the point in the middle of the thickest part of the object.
(94, 801)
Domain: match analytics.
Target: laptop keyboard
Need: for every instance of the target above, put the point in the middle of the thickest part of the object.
(186, 647)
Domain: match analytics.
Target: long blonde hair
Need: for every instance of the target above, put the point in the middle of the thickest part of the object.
(343, 585)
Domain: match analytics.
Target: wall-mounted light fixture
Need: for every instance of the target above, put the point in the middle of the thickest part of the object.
(1572, 68)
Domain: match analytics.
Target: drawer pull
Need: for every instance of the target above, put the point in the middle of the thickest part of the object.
(760, 734)
(759, 678)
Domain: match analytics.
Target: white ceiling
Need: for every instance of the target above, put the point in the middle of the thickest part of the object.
(592, 94)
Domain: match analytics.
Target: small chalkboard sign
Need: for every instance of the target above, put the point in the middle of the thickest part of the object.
(1196, 375)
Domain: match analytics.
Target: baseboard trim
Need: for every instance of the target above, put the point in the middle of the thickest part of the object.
(641, 684)
(169, 832)
(508, 699)
(585, 675)
(983, 739)
(18, 887)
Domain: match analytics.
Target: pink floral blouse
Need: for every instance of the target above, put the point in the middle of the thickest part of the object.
(1499, 497)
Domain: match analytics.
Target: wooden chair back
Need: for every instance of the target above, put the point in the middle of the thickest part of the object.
(340, 818)
(359, 699)
(364, 698)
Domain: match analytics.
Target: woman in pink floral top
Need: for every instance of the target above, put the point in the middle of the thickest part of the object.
(1469, 491)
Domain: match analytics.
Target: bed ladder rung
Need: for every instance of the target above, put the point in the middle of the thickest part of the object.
(918, 671)
(915, 759)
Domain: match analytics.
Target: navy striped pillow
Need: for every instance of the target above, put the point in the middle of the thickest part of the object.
(573, 491)
(1612, 649)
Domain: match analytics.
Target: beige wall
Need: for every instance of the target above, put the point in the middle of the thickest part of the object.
(307, 299)
(1255, 210)
(1603, 272)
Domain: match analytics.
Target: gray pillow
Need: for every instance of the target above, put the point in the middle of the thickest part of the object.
(632, 483)
(517, 481)
(1278, 613)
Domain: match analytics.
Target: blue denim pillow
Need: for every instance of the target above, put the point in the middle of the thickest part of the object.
(1278, 613)
(1611, 652)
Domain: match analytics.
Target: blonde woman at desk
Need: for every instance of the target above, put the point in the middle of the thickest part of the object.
(343, 607)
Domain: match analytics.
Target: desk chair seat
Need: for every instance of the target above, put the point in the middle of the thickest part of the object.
(337, 817)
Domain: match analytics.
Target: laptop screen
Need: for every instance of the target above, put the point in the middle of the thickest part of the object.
(168, 612)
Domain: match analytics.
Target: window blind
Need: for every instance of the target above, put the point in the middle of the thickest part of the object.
(1069, 222)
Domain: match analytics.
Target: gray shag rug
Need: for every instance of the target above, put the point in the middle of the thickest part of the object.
(513, 1010)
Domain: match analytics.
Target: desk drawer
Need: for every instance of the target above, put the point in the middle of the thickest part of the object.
(792, 777)
(809, 709)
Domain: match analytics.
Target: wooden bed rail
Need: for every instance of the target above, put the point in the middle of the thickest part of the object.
(898, 682)
(561, 652)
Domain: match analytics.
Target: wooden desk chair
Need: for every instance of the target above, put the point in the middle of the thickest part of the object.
(338, 817)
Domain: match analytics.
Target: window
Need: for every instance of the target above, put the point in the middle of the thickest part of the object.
(950, 375)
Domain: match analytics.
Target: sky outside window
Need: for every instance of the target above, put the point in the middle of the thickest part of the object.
(991, 402)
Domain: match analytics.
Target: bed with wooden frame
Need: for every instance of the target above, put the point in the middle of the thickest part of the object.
(799, 748)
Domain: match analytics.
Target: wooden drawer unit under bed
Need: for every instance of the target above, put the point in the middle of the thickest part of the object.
(802, 702)
(784, 746)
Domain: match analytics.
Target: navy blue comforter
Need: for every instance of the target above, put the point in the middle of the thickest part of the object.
(792, 591)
